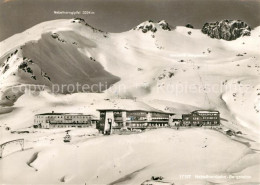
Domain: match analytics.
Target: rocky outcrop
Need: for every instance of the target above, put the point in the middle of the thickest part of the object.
(226, 29)
(153, 27)
(164, 25)
(189, 26)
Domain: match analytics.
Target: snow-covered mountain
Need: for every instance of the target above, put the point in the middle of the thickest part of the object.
(152, 66)
(167, 67)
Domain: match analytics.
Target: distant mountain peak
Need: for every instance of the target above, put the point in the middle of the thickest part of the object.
(152, 26)
(226, 29)
(82, 21)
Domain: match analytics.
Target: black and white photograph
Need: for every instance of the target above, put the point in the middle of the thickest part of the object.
(130, 92)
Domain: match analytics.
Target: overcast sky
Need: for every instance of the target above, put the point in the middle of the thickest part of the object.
(121, 15)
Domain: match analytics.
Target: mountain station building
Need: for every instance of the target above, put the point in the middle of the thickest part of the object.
(115, 119)
(201, 118)
(63, 120)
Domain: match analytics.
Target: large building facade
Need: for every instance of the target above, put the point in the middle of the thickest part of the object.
(208, 117)
(111, 119)
(62, 120)
(201, 118)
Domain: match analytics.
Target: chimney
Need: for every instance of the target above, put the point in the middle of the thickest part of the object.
(52, 112)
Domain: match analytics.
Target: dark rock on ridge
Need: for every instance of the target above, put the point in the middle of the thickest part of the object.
(226, 29)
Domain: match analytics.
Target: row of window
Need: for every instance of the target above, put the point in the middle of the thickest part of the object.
(197, 118)
(136, 113)
(67, 126)
(210, 122)
(160, 119)
(210, 117)
(117, 113)
(207, 122)
(61, 122)
(140, 125)
(132, 118)
(149, 125)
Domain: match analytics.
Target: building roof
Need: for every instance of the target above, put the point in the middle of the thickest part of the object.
(95, 118)
(185, 115)
(133, 110)
(177, 116)
(56, 113)
(205, 111)
(49, 114)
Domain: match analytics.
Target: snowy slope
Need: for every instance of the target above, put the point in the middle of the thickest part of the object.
(154, 153)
